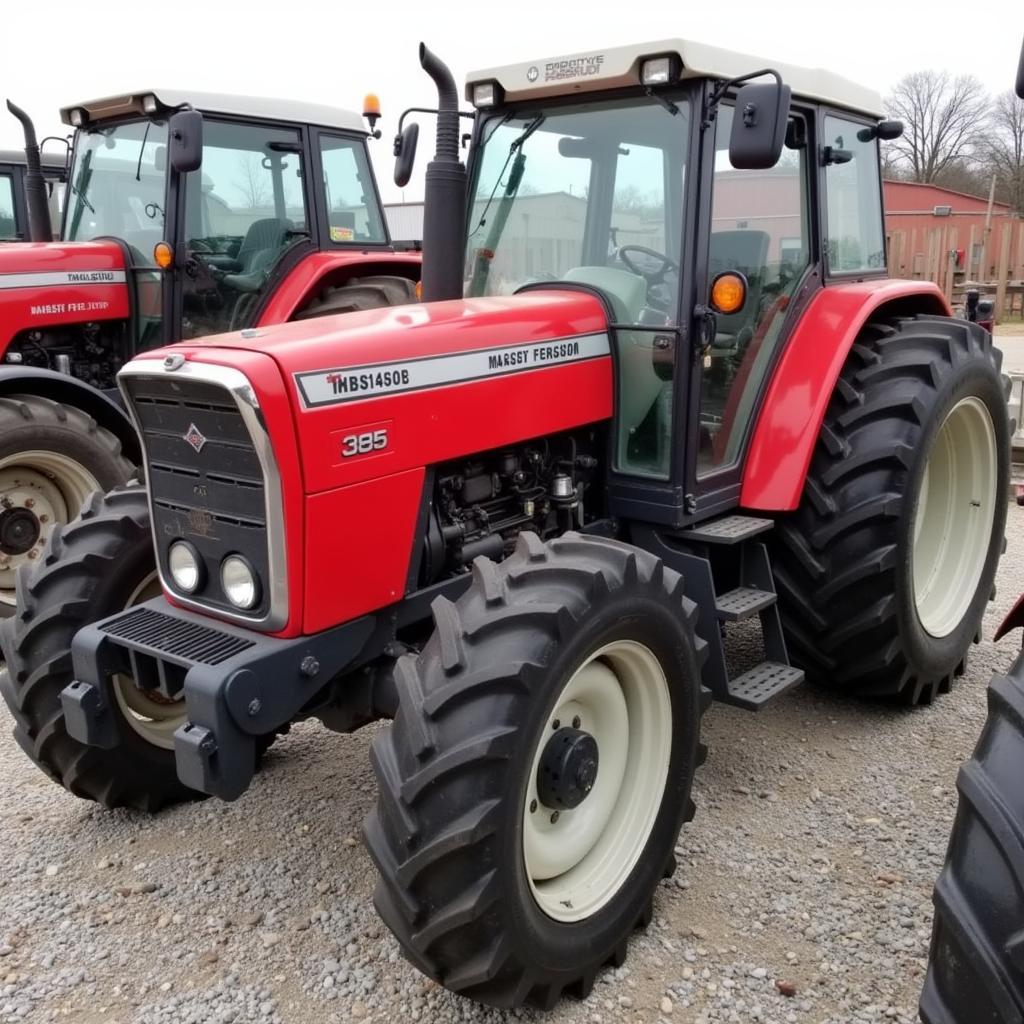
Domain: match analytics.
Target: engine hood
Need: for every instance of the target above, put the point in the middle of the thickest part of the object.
(45, 284)
(436, 380)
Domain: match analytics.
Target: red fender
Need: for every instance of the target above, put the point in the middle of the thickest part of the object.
(799, 391)
(341, 264)
(1012, 621)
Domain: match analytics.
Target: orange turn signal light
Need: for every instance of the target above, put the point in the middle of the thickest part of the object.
(163, 255)
(728, 292)
(371, 105)
(419, 291)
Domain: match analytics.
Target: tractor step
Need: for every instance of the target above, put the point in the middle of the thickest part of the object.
(727, 530)
(742, 603)
(759, 686)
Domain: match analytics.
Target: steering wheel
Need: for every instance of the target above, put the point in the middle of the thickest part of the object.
(667, 265)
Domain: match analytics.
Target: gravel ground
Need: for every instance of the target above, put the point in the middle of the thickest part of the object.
(802, 895)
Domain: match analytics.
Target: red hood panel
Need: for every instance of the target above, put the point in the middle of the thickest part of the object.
(44, 284)
(427, 383)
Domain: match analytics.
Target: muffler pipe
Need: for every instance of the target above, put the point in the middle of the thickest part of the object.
(39, 227)
(444, 196)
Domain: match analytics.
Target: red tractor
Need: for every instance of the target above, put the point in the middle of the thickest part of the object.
(179, 222)
(660, 383)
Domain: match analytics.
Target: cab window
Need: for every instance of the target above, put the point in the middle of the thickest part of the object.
(8, 227)
(853, 192)
(353, 214)
(244, 208)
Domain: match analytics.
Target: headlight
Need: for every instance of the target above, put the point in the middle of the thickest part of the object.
(186, 566)
(77, 117)
(149, 104)
(240, 583)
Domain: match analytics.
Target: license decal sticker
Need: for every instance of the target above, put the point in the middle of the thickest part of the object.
(356, 383)
(342, 234)
(51, 278)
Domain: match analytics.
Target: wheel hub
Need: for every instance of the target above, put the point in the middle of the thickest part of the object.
(19, 530)
(568, 769)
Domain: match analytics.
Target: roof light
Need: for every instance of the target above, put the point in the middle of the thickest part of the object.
(371, 105)
(149, 104)
(77, 117)
(657, 71)
(486, 94)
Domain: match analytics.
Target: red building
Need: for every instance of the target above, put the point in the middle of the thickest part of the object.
(924, 224)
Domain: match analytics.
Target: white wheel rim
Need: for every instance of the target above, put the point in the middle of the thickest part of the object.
(151, 715)
(954, 517)
(53, 487)
(577, 863)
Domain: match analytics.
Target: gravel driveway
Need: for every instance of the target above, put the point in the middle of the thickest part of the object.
(802, 895)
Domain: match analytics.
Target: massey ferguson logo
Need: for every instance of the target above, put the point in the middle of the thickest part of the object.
(533, 73)
(194, 437)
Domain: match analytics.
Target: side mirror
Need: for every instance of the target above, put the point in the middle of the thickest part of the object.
(405, 153)
(759, 126)
(185, 139)
(1020, 75)
(887, 130)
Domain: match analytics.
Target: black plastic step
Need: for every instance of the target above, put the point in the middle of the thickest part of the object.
(742, 603)
(759, 686)
(727, 530)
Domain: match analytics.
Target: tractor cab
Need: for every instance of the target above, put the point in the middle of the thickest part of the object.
(228, 192)
(706, 199)
(13, 208)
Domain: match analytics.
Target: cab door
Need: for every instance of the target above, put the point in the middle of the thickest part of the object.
(13, 219)
(758, 224)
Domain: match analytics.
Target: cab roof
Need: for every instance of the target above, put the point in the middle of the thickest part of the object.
(255, 107)
(592, 70)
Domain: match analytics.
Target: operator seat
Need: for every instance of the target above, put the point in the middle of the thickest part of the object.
(257, 253)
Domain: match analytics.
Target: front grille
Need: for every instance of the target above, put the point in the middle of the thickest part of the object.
(205, 479)
(168, 635)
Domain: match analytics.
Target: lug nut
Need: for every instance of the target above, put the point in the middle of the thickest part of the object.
(533, 806)
(554, 817)
(44, 518)
(576, 722)
(30, 503)
(556, 724)
(33, 553)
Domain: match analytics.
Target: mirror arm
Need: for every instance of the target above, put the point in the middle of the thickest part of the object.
(663, 100)
(716, 97)
(427, 110)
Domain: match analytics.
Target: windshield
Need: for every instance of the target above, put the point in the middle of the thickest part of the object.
(117, 184)
(591, 192)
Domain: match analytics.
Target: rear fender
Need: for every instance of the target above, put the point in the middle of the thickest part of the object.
(322, 269)
(799, 391)
(1012, 621)
(106, 409)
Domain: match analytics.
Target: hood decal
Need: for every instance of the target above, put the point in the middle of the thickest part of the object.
(356, 383)
(61, 278)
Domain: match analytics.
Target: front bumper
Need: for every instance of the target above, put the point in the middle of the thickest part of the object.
(238, 685)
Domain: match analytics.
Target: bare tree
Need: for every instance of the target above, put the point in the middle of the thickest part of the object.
(252, 182)
(943, 117)
(1004, 151)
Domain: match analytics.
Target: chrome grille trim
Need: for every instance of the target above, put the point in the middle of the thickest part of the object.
(237, 385)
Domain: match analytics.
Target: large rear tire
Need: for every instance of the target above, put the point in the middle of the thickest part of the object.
(538, 771)
(884, 571)
(976, 966)
(52, 457)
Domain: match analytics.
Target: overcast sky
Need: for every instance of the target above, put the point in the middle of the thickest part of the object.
(56, 53)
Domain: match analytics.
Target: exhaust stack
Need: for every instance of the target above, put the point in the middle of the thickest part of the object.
(39, 226)
(444, 197)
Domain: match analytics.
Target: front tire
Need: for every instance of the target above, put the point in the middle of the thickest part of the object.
(511, 870)
(884, 571)
(101, 563)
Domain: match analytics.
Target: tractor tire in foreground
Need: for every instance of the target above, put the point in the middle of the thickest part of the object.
(101, 563)
(535, 778)
(52, 457)
(884, 571)
(976, 968)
